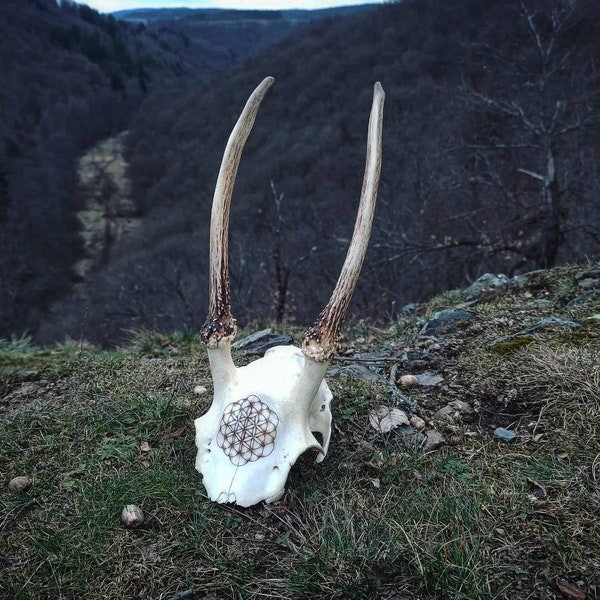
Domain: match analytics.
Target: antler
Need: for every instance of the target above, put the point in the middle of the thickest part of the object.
(321, 340)
(220, 326)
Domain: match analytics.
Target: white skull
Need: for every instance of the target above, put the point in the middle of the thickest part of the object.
(263, 416)
(257, 428)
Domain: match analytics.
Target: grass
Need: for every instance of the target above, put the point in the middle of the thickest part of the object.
(478, 518)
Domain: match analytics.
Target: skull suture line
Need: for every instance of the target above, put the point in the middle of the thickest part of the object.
(264, 415)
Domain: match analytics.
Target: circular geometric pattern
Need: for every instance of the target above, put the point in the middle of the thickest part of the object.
(248, 430)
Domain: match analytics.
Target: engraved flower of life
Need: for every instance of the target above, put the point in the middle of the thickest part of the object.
(248, 430)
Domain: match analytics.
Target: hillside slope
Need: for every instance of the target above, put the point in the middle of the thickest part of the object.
(491, 492)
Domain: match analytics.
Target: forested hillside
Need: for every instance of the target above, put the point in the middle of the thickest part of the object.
(229, 33)
(491, 159)
(70, 76)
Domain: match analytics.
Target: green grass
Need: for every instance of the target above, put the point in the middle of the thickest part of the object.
(477, 519)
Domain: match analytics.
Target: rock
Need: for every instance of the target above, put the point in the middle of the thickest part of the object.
(132, 516)
(453, 411)
(507, 435)
(433, 440)
(445, 321)
(261, 341)
(417, 423)
(19, 484)
(486, 282)
(464, 408)
(200, 390)
(589, 283)
(428, 379)
(408, 381)
(446, 413)
(354, 370)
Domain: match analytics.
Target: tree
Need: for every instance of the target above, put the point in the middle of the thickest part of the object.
(543, 90)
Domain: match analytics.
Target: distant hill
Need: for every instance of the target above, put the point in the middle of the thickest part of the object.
(235, 34)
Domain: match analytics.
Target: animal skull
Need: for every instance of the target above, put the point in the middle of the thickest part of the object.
(263, 416)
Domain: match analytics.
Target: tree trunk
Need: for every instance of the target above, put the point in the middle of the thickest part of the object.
(550, 238)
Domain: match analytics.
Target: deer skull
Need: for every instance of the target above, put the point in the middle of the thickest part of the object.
(264, 415)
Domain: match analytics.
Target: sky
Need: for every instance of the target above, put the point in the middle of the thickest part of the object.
(112, 5)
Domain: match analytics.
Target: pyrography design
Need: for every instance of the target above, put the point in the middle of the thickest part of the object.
(248, 430)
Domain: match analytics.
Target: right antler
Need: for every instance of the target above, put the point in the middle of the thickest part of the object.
(321, 340)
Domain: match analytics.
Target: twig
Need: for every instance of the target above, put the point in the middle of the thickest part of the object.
(368, 360)
(398, 397)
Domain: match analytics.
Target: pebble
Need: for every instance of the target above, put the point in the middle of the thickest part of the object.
(408, 381)
(417, 423)
(506, 435)
(19, 484)
(132, 516)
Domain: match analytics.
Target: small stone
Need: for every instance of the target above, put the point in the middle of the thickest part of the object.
(132, 516)
(433, 440)
(200, 390)
(464, 408)
(445, 321)
(506, 435)
(428, 379)
(417, 423)
(182, 404)
(486, 282)
(408, 381)
(446, 413)
(589, 283)
(19, 484)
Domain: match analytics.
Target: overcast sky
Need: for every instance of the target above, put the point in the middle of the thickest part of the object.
(112, 5)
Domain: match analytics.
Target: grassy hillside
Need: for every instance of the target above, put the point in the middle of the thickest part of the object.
(402, 514)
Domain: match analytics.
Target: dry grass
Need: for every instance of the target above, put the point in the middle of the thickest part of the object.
(479, 518)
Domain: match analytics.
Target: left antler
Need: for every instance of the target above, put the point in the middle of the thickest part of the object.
(220, 326)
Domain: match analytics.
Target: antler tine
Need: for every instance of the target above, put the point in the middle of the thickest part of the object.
(321, 340)
(220, 324)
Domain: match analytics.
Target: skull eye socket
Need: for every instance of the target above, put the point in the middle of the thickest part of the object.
(247, 430)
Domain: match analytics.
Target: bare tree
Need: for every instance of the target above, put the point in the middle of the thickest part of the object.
(544, 96)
